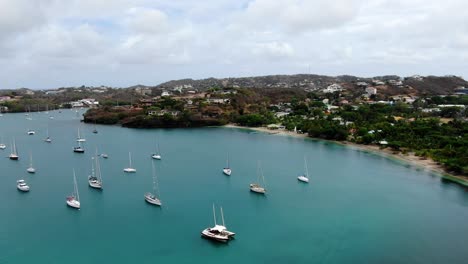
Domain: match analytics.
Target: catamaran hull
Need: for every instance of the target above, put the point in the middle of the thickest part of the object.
(205, 233)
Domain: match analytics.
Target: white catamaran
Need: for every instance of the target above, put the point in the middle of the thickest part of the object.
(152, 198)
(130, 169)
(74, 199)
(305, 177)
(257, 187)
(218, 232)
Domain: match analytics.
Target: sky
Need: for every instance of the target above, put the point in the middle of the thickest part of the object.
(56, 43)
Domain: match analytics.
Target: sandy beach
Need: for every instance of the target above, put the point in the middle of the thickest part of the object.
(409, 158)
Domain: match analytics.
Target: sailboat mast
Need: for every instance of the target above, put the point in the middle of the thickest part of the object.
(228, 160)
(214, 214)
(222, 216)
(307, 170)
(154, 177)
(75, 186)
(30, 159)
(130, 158)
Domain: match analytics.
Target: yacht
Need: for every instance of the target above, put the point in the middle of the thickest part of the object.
(104, 155)
(256, 187)
(227, 170)
(48, 139)
(95, 179)
(14, 152)
(31, 132)
(31, 169)
(22, 186)
(151, 197)
(305, 177)
(130, 169)
(74, 199)
(218, 232)
(79, 149)
(157, 155)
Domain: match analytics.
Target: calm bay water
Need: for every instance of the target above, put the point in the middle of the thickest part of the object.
(357, 208)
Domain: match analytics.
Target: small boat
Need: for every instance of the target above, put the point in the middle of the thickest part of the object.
(95, 130)
(256, 187)
(227, 170)
(79, 138)
(130, 169)
(157, 155)
(2, 145)
(22, 186)
(48, 139)
(305, 177)
(151, 197)
(74, 199)
(14, 152)
(95, 179)
(31, 132)
(104, 155)
(79, 149)
(218, 232)
(31, 169)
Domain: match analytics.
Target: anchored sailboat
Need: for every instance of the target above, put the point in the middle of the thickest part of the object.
(14, 152)
(79, 138)
(304, 178)
(152, 198)
(156, 155)
(130, 169)
(95, 179)
(257, 187)
(31, 169)
(227, 170)
(74, 199)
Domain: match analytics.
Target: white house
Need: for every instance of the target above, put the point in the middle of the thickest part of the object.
(333, 88)
(371, 90)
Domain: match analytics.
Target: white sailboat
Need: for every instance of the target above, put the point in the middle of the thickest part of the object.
(95, 179)
(227, 170)
(304, 178)
(48, 139)
(218, 232)
(2, 145)
(74, 199)
(157, 155)
(79, 149)
(79, 138)
(22, 186)
(31, 169)
(152, 198)
(130, 169)
(31, 132)
(257, 187)
(14, 152)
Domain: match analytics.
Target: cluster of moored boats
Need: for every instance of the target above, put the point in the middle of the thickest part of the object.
(218, 232)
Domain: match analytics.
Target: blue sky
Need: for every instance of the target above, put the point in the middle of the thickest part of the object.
(50, 43)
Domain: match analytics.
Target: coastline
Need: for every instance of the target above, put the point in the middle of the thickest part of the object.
(409, 158)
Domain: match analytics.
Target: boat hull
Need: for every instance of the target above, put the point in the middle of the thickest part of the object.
(153, 201)
(95, 185)
(13, 157)
(156, 157)
(129, 170)
(227, 171)
(303, 179)
(23, 188)
(216, 237)
(257, 189)
(73, 204)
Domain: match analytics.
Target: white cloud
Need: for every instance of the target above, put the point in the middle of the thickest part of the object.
(48, 43)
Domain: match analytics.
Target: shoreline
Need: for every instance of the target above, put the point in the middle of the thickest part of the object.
(409, 158)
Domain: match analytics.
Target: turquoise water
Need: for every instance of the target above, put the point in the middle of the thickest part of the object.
(357, 208)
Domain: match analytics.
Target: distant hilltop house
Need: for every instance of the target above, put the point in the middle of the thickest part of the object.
(5, 98)
(218, 100)
(165, 93)
(88, 102)
(333, 88)
(362, 84)
(378, 82)
(143, 91)
(163, 112)
(371, 90)
(395, 82)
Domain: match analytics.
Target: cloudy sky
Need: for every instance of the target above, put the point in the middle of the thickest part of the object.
(54, 43)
